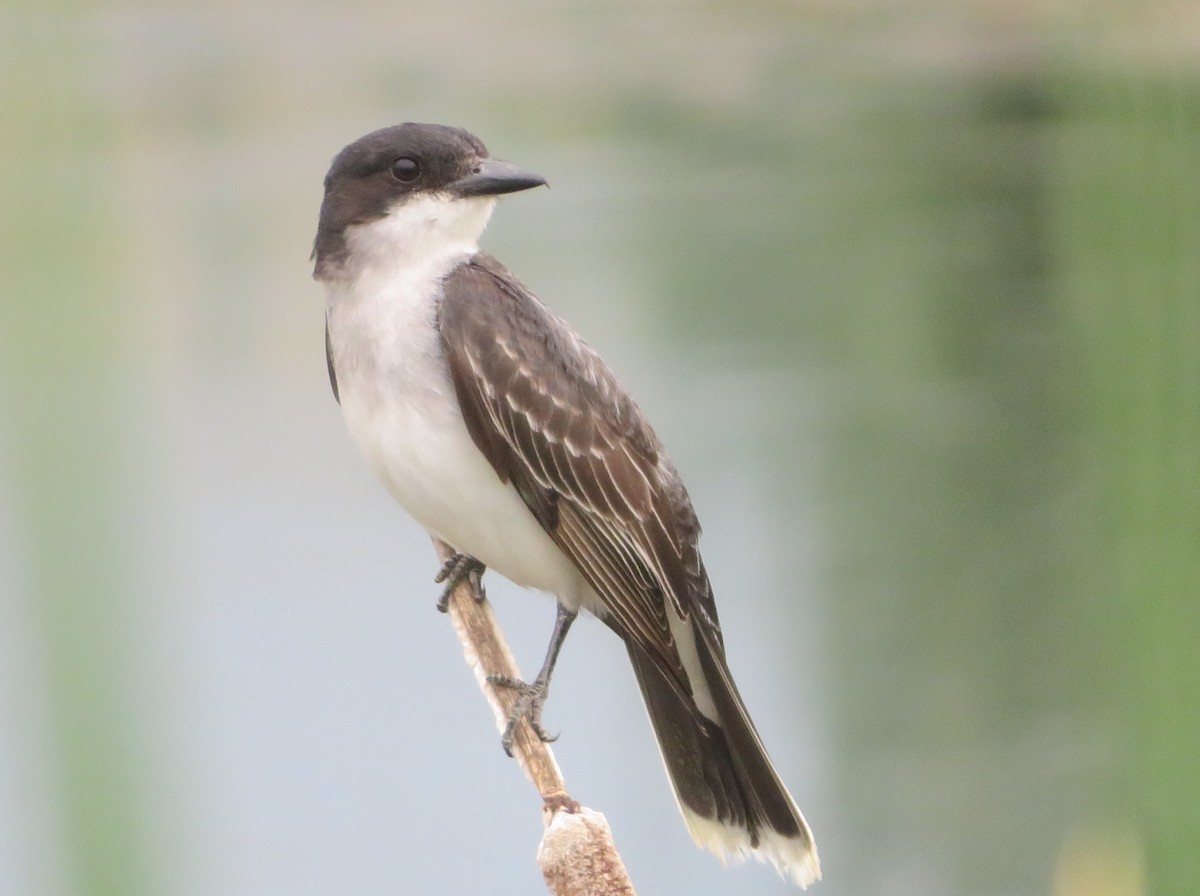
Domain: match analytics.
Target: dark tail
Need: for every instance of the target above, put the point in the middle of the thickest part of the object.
(731, 799)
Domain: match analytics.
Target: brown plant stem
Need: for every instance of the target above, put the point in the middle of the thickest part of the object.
(577, 854)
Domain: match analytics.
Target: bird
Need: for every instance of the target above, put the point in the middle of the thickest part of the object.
(506, 436)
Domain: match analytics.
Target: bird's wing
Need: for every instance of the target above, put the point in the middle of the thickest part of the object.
(329, 364)
(554, 422)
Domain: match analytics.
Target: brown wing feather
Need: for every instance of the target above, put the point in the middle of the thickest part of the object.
(553, 420)
(329, 365)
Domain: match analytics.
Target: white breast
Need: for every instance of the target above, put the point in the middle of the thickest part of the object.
(399, 403)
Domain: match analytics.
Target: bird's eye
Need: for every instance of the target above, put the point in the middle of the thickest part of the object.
(406, 170)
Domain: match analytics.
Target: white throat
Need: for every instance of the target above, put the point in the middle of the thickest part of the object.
(424, 232)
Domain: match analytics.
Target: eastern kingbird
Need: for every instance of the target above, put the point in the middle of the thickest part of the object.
(507, 437)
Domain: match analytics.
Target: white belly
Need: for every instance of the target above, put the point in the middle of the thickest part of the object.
(401, 410)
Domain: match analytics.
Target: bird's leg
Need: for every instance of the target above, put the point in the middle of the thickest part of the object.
(453, 571)
(531, 696)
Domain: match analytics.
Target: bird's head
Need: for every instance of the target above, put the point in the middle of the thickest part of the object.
(402, 186)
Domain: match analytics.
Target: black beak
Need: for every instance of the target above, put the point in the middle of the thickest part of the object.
(493, 178)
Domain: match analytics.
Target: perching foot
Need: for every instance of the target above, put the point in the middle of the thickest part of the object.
(454, 571)
(530, 698)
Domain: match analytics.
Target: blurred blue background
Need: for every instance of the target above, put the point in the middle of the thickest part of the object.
(909, 290)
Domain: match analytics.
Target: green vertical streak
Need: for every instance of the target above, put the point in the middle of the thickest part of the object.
(1129, 168)
(62, 350)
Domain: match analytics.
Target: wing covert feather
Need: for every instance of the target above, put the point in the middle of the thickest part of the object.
(551, 419)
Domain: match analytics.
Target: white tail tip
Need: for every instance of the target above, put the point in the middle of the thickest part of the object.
(793, 857)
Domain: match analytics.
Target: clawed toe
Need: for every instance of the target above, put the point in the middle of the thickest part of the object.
(457, 568)
(530, 699)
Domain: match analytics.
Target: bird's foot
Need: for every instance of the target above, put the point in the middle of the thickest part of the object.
(454, 571)
(528, 706)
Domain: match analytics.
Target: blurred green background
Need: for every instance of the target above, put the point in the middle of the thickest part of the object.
(911, 292)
